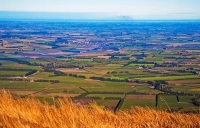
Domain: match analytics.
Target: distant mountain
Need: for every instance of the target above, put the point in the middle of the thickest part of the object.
(125, 18)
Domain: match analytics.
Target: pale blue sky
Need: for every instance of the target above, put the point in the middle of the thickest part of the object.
(137, 9)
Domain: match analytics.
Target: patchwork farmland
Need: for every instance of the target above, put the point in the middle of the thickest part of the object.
(116, 67)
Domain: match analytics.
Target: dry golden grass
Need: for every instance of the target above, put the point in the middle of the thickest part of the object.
(29, 113)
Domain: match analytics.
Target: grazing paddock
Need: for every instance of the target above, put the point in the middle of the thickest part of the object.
(12, 73)
(129, 103)
(28, 86)
(103, 96)
(61, 95)
(111, 89)
(186, 88)
(148, 97)
(170, 102)
(186, 81)
(168, 77)
(147, 90)
(103, 103)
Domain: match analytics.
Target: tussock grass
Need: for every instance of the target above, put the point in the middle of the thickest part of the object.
(30, 113)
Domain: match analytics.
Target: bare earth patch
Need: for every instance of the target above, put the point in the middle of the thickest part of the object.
(56, 94)
(113, 65)
(71, 70)
(91, 80)
(103, 57)
(21, 92)
(195, 89)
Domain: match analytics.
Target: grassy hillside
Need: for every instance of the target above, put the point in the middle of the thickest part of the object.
(30, 113)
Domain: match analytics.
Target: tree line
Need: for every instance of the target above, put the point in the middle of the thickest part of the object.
(31, 72)
(108, 79)
(115, 72)
(43, 80)
(27, 80)
(9, 75)
(59, 73)
(56, 65)
(163, 86)
(14, 69)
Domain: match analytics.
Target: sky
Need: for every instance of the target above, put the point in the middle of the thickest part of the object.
(135, 9)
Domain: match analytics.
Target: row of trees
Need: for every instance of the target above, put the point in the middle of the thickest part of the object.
(59, 73)
(167, 64)
(52, 81)
(186, 71)
(119, 104)
(115, 72)
(57, 65)
(70, 66)
(78, 76)
(108, 79)
(163, 86)
(9, 75)
(13, 79)
(30, 72)
(14, 69)
(27, 80)
(121, 58)
(116, 54)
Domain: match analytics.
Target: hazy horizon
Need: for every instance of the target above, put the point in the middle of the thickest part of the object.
(8, 15)
(101, 10)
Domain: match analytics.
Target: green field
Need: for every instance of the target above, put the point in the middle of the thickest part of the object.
(169, 77)
(133, 65)
(119, 96)
(170, 102)
(128, 103)
(188, 88)
(23, 85)
(10, 64)
(13, 73)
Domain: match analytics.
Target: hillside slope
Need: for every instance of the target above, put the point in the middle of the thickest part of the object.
(29, 113)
